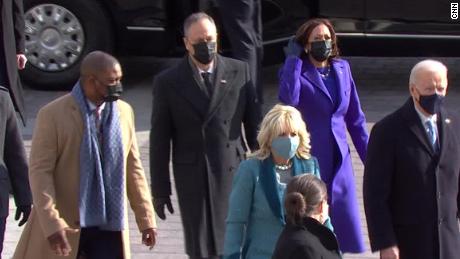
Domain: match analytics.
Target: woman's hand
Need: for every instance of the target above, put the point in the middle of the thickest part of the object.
(293, 48)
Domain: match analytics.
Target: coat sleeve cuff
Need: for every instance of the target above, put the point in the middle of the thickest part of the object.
(382, 242)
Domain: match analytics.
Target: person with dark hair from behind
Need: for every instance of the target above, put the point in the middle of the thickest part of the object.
(304, 235)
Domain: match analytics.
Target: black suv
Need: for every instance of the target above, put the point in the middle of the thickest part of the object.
(60, 32)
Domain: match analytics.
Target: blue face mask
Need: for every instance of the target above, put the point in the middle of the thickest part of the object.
(285, 146)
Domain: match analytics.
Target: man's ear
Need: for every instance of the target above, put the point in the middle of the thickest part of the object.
(186, 44)
(413, 92)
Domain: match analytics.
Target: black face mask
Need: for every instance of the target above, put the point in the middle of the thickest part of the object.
(321, 50)
(113, 92)
(431, 103)
(204, 52)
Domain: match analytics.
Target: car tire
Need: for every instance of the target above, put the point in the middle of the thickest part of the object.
(54, 53)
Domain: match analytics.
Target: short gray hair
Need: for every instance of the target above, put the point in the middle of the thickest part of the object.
(427, 64)
(195, 17)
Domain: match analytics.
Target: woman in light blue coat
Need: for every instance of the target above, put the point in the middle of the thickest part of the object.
(256, 216)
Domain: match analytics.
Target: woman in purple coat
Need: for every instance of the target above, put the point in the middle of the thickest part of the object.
(314, 80)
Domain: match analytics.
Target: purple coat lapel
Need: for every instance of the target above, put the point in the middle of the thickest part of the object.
(312, 75)
(343, 86)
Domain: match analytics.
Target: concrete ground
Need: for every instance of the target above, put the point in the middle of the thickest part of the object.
(382, 86)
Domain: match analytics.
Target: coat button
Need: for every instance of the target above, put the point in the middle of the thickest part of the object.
(228, 145)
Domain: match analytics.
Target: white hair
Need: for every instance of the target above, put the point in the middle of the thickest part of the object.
(426, 65)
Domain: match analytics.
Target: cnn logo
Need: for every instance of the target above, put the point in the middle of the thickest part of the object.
(454, 11)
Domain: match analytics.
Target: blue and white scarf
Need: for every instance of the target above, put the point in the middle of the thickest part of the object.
(102, 181)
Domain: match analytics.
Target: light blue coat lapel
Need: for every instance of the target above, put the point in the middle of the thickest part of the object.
(267, 178)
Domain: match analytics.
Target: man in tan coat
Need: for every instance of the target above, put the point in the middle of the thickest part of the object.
(84, 163)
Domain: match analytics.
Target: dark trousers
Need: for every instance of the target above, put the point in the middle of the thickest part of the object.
(100, 244)
(3, 74)
(2, 233)
(242, 19)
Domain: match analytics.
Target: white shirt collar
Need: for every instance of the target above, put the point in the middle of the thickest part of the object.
(93, 106)
(210, 69)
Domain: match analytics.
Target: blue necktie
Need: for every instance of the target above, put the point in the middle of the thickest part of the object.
(431, 130)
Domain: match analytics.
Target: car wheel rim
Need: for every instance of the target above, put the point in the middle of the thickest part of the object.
(54, 37)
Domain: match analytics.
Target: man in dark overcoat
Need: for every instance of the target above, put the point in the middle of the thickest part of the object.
(199, 107)
(13, 166)
(12, 50)
(411, 176)
(242, 20)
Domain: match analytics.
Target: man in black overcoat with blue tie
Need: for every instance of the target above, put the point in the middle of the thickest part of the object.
(411, 176)
(199, 108)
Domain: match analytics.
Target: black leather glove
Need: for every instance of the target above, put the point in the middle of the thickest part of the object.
(25, 211)
(160, 203)
(293, 48)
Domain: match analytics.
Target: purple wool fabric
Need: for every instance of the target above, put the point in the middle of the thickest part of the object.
(302, 87)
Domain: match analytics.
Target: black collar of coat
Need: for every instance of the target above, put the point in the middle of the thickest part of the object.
(325, 236)
(188, 87)
(413, 121)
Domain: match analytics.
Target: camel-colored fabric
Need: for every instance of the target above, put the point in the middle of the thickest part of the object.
(54, 178)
